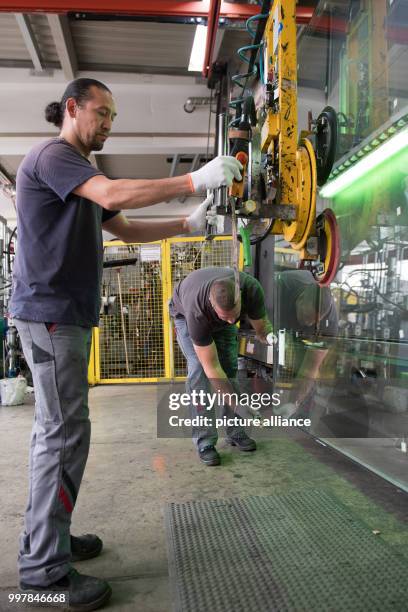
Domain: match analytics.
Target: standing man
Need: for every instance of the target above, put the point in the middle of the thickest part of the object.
(63, 203)
(205, 312)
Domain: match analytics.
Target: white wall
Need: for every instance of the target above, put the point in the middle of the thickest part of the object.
(150, 119)
(149, 104)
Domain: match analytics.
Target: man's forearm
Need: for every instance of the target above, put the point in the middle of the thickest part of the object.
(308, 373)
(127, 194)
(268, 327)
(149, 231)
(312, 361)
(262, 327)
(219, 382)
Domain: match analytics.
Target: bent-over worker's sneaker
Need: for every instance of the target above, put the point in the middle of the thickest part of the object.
(84, 593)
(209, 455)
(85, 547)
(242, 441)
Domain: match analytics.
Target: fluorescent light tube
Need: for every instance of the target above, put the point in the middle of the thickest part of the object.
(198, 50)
(367, 163)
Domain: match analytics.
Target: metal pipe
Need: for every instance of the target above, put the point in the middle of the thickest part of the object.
(221, 134)
(122, 319)
(221, 149)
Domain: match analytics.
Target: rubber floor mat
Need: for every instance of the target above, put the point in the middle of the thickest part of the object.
(298, 551)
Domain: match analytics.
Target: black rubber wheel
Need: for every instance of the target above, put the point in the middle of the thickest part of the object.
(326, 143)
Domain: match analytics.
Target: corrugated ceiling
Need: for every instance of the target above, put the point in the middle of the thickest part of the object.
(12, 46)
(132, 44)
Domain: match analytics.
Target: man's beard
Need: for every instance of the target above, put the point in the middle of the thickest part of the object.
(97, 145)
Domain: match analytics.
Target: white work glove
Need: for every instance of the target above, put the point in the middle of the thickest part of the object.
(271, 339)
(217, 173)
(285, 410)
(197, 220)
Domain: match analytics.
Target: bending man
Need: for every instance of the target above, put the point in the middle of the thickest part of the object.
(205, 314)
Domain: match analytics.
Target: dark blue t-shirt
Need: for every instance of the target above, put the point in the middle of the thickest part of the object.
(191, 299)
(58, 265)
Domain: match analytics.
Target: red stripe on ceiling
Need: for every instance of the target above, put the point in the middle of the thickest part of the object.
(153, 8)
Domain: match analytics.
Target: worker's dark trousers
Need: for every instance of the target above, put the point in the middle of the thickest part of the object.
(226, 341)
(58, 359)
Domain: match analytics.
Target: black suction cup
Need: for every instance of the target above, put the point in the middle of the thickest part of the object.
(326, 143)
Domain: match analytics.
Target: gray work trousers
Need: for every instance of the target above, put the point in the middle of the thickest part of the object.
(58, 358)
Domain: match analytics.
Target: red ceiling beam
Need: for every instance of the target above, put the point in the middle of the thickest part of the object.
(212, 27)
(303, 14)
(170, 8)
(331, 25)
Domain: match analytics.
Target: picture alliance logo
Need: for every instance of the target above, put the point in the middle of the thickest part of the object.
(236, 421)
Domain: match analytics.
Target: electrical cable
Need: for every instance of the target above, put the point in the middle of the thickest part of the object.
(375, 288)
(260, 237)
(13, 233)
(382, 296)
(241, 79)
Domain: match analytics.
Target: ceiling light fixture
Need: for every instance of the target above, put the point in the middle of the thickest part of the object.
(198, 50)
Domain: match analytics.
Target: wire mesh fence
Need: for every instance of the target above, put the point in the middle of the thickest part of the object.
(131, 324)
(135, 342)
(185, 257)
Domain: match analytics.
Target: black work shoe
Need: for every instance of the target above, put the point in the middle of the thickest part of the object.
(85, 547)
(209, 455)
(84, 593)
(242, 441)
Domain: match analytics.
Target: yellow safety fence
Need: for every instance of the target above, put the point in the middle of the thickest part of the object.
(135, 342)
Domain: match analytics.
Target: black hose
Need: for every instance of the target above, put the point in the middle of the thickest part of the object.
(261, 237)
(266, 5)
(13, 233)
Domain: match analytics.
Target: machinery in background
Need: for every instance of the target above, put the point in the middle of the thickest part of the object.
(13, 362)
(363, 387)
(282, 171)
(8, 239)
(364, 78)
(6, 253)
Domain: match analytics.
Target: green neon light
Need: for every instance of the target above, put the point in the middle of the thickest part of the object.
(383, 152)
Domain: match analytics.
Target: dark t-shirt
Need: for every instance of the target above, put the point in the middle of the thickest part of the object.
(291, 284)
(191, 299)
(58, 266)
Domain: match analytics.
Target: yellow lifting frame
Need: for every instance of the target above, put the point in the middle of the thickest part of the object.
(280, 37)
(294, 163)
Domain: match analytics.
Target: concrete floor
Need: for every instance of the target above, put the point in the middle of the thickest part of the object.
(131, 475)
